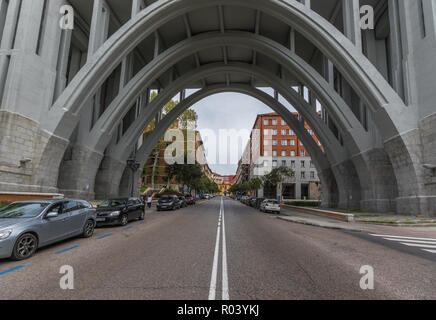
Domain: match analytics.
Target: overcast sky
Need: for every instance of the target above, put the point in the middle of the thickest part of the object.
(226, 111)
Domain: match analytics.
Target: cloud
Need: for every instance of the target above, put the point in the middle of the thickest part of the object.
(226, 111)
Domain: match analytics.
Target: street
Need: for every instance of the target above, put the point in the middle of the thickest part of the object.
(221, 249)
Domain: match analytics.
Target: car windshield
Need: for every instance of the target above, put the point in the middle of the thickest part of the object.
(112, 203)
(22, 210)
(272, 202)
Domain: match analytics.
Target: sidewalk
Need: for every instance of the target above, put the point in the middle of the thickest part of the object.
(400, 225)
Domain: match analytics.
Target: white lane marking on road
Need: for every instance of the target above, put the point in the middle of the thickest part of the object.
(419, 245)
(400, 237)
(411, 241)
(431, 251)
(225, 279)
(213, 280)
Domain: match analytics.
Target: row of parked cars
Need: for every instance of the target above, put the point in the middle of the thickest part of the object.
(262, 204)
(26, 226)
(173, 202)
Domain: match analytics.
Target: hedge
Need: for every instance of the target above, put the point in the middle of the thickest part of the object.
(4, 204)
(303, 203)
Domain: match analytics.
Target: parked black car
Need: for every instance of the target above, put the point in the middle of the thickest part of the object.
(252, 202)
(183, 202)
(189, 199)
(120, 211)
(258, 202)
(168, 202)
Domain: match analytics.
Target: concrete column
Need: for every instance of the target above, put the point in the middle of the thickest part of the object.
(292, 40)
(107, 182)
(64, 51)
(306, 3)
(429, 8)
(99, 26)
(312, 99)
(137, 6)
(351, 12)
(396, 48)
(329, 71)
(9, 30)
(3, 12)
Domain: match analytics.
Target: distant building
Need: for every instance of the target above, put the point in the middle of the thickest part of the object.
(224, 183)
(275, 144)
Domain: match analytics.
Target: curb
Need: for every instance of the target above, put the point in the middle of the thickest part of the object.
(325, 213)
(313, 224)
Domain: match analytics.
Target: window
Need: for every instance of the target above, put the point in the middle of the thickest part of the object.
(292, 142)
(56, 208)
(312, 175)
(283, 153)
(303, 164)
(266, 132)
(265, 163)
(274, 132)
(291, 132)
(283, 123)
(292, 153)
(284, 142)
(301, 143)
(266, 153)
(303, 175)
(283, 163)
(311, 164)
(274, 122)
(275, 163)
(303, 153)
(266, 122)
(266, 142)
(70, 206)
(293, 164)
(274, 142)
(284, 132)
(274, 153)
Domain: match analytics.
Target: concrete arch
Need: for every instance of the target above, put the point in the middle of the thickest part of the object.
(361, 74)
(350, 189)
(319, 158)
(391, 114)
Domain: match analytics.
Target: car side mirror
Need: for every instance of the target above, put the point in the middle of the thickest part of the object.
(52, 214)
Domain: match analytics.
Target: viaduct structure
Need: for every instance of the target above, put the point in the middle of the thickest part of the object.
(75, 102)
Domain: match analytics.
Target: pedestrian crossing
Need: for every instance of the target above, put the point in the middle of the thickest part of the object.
(425, 244)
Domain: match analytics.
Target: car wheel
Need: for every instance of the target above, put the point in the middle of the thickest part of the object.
(25, 247)
(124, 220)
(142, 215)
(88, 229)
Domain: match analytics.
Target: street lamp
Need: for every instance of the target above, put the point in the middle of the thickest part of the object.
(134, 166)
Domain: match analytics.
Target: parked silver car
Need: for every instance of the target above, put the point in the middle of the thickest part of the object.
(270, 205)
(26, 226)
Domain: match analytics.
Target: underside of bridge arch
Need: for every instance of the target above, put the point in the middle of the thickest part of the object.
(371, 161)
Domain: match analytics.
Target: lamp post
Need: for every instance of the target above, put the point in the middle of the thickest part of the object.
(134, 166)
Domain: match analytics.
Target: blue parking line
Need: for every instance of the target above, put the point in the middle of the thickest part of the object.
(13, 269)
(143, 222)
(65, 250)
(127, 228)
(105, 236)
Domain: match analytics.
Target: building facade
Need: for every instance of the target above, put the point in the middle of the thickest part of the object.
(280, 146)
(224, 183)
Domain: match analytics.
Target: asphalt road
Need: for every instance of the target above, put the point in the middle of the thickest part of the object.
(176, 255)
